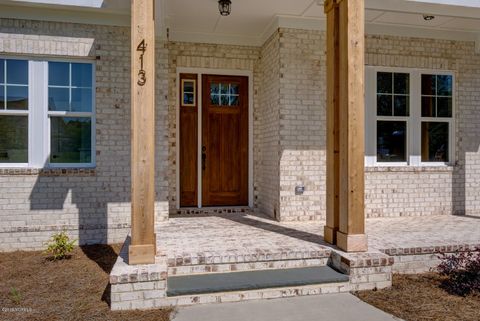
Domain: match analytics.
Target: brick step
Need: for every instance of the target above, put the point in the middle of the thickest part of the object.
(236, 257)
(246, 266)
(252, 280)
(258, 294)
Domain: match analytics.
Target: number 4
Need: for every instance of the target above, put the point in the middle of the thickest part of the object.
(142, 46)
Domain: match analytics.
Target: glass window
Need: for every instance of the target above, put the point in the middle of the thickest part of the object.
(189, 92)
(437, 95)
(70, 87)
(69, 111)
(391, 141)
(434, 142)
(13, 139)
(224, 94)
(13, 98)
(410, 119)
(71, 140)
(393, 91)
(14, 84)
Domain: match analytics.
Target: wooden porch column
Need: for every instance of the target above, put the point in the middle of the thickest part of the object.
(345, 111)
(142, 248)
(332, 222)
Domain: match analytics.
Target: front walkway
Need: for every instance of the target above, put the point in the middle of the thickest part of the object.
(228, 236)
(340, 307)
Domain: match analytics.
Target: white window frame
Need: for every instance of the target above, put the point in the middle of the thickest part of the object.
(7, 112)
(414, 120)
(39, 124)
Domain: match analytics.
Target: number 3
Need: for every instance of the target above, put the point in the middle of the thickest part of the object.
(141, 78)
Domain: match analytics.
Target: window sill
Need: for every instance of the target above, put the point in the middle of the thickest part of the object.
(410, 169)
(85, 171)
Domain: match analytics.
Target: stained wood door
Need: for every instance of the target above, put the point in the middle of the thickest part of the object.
(224, 140)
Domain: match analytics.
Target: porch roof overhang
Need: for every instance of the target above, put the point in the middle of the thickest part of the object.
(253, 21)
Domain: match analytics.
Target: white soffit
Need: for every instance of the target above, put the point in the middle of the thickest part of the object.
(252, 22)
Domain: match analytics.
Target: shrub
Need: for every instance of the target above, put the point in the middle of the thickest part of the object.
(462, 270)
(15, 296)
(60, 246)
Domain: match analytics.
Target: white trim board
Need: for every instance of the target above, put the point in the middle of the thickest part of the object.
(211, 71)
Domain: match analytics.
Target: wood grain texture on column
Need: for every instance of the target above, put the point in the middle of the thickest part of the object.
(333, 175)
(351, 235)
(142, 248)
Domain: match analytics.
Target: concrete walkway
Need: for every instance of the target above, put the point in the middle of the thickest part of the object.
(338, 307)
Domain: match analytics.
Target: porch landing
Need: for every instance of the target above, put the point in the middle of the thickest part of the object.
(194, 245)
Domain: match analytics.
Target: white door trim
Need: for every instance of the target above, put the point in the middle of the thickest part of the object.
(211, 71)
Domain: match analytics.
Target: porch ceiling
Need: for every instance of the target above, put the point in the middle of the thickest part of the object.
(253, 21)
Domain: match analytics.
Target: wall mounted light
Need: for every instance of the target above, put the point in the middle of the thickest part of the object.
(225, 7)
(428, 17)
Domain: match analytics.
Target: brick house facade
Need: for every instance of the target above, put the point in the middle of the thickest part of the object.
(288, 77)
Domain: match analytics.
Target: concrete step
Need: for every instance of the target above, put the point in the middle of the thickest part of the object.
(245, 266)
(252, 280)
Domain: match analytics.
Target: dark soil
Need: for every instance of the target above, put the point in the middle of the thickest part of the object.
(35, 288)
(420, 297)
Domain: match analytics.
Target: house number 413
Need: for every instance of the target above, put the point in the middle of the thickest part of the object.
(142, 79)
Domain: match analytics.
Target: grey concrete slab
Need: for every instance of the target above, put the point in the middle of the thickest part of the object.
(337, 307)
(250, 280)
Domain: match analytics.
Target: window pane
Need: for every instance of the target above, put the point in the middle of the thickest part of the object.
(2, 97)
(391, 141)
(58, 99)
(434, 142)
(444, 107)
(13, 139)
(81, 75)
(17, 97)
(58, 73)
(428, 85)
(234, 89)
(402, 83)
(215, 100)
(81, 99)
(224, 101)
(401, 105)
(214, 90)
(224, 89)
(233, 100)
(71, 140)
(17, 72)
(428, 107)
(444, 85)
(188, 86)
(384, 82)
(2, 71)
(188, 99)
(384, 105)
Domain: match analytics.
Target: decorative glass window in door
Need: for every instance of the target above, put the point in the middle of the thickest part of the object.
(224, 94)
(188, 92)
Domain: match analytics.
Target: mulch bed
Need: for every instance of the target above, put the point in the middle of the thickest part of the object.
(72, 289)
(420, 297)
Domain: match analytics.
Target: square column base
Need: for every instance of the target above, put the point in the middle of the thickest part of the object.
(352, 242)
(141, 254)
(330, 234)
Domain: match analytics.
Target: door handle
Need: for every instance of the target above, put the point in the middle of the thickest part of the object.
(204, 157)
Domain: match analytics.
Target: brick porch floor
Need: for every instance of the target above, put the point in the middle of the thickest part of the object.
(221, 237)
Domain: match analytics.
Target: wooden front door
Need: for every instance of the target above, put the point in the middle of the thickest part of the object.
(224, 140)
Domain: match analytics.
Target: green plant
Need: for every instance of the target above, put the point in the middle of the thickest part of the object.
(60, 246)
(462, 270)
(15, 296)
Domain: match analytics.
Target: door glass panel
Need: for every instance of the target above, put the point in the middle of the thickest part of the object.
(224, 94)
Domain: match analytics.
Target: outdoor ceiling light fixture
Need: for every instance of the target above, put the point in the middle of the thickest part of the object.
(428, 17)
(225, 7)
